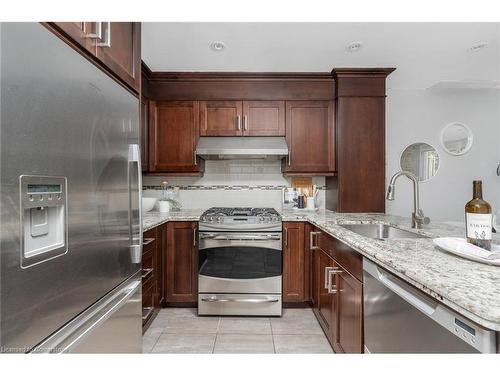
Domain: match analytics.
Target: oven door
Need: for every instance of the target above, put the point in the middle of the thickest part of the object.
(246, 262)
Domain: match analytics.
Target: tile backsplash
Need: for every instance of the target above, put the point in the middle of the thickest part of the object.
(231, 183)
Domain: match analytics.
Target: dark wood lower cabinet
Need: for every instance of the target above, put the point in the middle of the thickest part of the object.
(181, 281)
(325, 306)
(293, 262)
(337, 295)
(150, 273)
(349, 338)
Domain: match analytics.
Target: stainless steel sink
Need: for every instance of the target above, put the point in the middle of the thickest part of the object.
(381, 231)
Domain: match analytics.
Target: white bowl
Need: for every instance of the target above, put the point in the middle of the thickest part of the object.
(148, 203)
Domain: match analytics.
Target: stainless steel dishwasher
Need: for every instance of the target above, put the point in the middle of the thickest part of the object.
(398, 318)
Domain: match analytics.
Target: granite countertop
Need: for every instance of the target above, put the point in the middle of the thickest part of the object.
(470, 288)
(152, 219)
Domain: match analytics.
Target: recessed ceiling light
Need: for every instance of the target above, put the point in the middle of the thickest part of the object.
(218, 46)
(354, 46)
(477, 47)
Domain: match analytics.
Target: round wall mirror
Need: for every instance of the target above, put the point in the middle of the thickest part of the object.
(456, 138)
(421, 159)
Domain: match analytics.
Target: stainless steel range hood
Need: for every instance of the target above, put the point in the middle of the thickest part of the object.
(217, 148)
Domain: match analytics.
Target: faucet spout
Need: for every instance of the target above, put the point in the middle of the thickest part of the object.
(418, 217)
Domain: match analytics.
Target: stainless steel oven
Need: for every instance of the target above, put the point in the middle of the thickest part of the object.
(240, 273)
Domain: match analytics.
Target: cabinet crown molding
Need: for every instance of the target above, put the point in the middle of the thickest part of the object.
(238, 76)
(361, 72)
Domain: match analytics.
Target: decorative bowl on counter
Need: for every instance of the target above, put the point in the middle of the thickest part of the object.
(148, 203)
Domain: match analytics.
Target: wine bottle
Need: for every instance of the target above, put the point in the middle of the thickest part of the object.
(478, 218)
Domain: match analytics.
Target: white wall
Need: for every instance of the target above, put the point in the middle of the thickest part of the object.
(229, 183)
(418, 115)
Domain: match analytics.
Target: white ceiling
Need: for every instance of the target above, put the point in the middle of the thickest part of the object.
(423, 53)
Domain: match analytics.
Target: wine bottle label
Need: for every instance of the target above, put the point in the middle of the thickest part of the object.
(479, 226)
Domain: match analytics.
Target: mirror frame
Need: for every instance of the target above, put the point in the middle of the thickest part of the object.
(418, 177)
(470, 139)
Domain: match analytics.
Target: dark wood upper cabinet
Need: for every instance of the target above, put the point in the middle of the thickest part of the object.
(120, 50)
(310, 136)
(114, 45)
(173, 133)
(264, 118)
(181, 263)
(221, 118)
(360, 109)
(349, 338)
(293, 262)
(81, 33)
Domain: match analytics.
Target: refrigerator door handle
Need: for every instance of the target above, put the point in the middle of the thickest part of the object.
(135, 238)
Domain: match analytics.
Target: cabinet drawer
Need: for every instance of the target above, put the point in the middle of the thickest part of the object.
(149, 240)
(148, 266)
(147, 295)
(346, 256)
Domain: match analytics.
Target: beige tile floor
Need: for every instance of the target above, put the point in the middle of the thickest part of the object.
(177, 330)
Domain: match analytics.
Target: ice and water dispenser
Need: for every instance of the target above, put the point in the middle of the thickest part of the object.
(44, 232)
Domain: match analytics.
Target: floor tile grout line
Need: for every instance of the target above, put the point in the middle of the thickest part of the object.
(215, 342)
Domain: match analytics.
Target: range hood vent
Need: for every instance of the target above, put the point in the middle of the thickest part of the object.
(220, 148)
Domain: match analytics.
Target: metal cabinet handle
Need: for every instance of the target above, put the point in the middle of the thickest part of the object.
(194, 237)
(332, 289)
(327, 283)
(238, 122)
(312, 235)
(245, 122)
(98, 32)
(289, 158)
(146, 273)
(147, 241)
(286, 237)
(195, 161)
(106, 39)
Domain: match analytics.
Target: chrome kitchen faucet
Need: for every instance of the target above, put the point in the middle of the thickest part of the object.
(418, 219)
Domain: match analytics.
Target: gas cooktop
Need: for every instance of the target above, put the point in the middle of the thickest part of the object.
(239, 218)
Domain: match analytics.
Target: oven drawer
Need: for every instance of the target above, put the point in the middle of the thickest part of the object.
(239, 304)
(208, 284)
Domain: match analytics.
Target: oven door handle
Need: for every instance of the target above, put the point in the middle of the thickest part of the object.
(243, 237)
(245, 300)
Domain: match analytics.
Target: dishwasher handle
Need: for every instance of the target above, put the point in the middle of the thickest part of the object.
(425, 305)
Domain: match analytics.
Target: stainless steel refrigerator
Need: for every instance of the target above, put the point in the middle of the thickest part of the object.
(70, 200)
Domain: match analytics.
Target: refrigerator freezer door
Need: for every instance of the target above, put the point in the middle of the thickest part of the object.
(112, 325)
(62, 116)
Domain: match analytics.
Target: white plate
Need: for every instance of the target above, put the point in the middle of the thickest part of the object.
(460, 247)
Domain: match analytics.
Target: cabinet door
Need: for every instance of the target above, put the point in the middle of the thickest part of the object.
(161, 262)
(144, 134)
(325, 298)
(263, 118)
(182, 262)
(310, 136)
(293, 262)
(221, 118)
(349, 310)
(173, 136)
(81, 33)
(120, 50)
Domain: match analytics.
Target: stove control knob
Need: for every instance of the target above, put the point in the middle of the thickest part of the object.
(219, 219)
(211, 219)
(261, 218)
